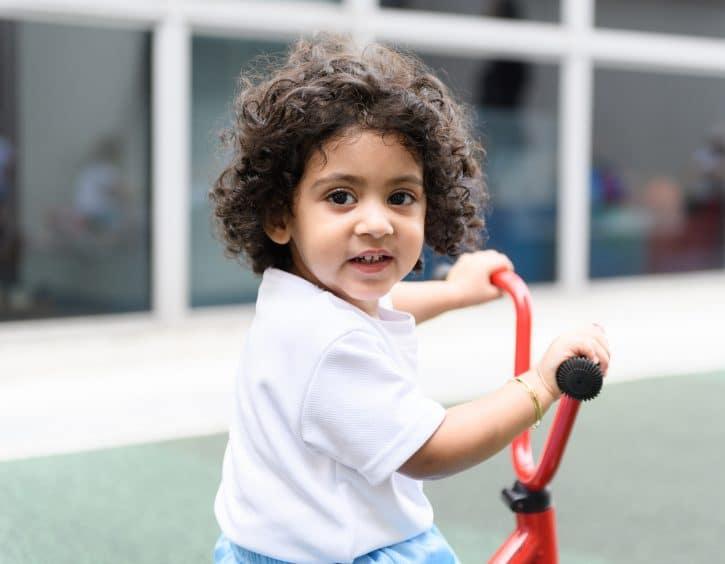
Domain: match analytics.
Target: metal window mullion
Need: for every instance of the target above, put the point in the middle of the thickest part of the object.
(572, 243)
(575, 110)
(264, 19)
(170, 208)
(577, 16)
(360, 14)
(119, 13)
(474, 36)
(652, 52)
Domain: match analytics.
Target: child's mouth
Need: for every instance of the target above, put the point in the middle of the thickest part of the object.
(371, 259)
(371, 264)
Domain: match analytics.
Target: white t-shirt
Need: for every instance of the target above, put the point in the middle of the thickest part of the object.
(326, 410)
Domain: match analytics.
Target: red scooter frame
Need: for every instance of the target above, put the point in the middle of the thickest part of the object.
(534, 539)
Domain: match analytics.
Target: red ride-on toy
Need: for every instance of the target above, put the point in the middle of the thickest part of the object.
(534, 539)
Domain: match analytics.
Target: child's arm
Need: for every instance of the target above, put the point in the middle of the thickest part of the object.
(468, 283)
(474, 431)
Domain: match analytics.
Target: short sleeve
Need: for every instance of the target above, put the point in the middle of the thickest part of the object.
(364, 411)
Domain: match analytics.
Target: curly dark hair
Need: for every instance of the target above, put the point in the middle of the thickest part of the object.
(323, 89)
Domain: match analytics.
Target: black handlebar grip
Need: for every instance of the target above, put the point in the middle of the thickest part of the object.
(579, 378)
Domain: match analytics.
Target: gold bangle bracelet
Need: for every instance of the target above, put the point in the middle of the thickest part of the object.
(543, 383)
(534, 398)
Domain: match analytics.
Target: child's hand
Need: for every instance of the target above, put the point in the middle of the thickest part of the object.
(589, 341)
(470, 276)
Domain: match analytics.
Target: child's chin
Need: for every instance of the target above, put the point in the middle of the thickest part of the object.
(364, 302)
(371, 294)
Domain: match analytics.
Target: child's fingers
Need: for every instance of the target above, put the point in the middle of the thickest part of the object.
(588, 348)
(602, 347)
(591, 343)
(596, 347)
(504, 260)
(489, 257)
(603, 356)
(501, 262)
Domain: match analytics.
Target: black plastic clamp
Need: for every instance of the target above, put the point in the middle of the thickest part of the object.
(519, 499)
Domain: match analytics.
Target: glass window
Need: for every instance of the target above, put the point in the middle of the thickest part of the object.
(538, 10)
(698, 17)
(216, 64)
(74, 170)
(515, 105)
(658, 176)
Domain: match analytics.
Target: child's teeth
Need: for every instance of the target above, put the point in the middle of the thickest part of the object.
(371, 258)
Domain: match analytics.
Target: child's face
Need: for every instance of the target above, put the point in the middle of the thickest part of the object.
(366, 200)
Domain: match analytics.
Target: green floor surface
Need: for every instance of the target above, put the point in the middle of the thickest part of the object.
(638, 485)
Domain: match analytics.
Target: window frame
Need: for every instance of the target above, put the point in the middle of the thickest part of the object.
(574, 43)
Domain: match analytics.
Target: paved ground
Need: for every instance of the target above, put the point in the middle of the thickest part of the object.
(639, 484)
(68, 385)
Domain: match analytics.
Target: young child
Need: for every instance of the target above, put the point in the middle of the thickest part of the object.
(344, 164)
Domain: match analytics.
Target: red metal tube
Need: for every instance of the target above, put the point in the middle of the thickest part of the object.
(533, 540)
(534, 477)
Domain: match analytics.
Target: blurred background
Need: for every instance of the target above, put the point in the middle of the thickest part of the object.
(121, 321)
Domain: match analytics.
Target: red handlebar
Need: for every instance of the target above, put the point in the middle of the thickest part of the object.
(534, 477)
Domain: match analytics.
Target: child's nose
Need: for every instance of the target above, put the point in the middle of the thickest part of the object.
(374, 221)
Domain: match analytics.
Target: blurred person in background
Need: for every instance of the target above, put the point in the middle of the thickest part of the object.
(101, 213)
(686, 228)
(707, 202)
(97, 195)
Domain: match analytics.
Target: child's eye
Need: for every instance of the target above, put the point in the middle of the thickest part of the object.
(341, 198)
(402, 199)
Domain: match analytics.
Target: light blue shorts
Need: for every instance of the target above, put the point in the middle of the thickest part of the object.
(428, 547)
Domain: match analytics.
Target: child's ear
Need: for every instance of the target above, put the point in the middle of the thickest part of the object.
(278, 230)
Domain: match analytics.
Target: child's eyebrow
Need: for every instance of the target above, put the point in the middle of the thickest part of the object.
(413, 179)
(338, 176)
(353, 179)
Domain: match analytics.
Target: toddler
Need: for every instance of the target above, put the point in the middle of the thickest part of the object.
(344, 164)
